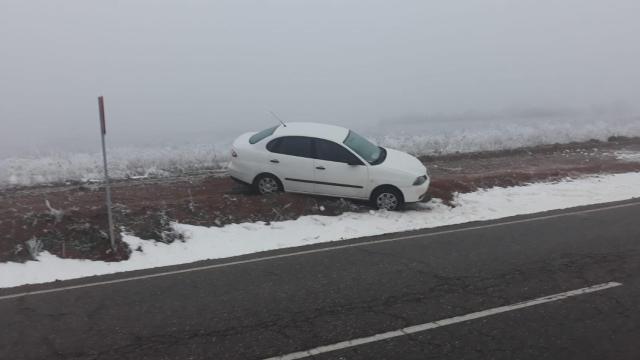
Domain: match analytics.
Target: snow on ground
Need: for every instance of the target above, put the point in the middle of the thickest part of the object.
(628, 156)
(210, 243)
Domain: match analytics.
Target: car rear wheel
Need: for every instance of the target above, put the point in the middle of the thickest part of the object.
(267, 184)
(387, 198)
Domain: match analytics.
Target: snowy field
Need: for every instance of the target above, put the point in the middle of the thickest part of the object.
(211, 243)
(422, 136)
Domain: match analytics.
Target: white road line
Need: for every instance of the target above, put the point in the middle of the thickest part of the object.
(444, 322)
(314, 251)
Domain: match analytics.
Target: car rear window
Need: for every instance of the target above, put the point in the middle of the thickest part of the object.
(262, 134)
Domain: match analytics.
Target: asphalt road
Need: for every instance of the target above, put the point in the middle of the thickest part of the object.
(285, 303)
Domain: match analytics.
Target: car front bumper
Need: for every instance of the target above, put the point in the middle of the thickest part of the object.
(415, 193)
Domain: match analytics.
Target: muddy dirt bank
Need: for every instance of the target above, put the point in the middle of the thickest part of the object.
(70, 221)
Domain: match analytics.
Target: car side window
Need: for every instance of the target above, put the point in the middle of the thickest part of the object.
(274, 145)
(291, 145)
(330, 151)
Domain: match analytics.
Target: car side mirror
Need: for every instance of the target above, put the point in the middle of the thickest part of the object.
(354, 163)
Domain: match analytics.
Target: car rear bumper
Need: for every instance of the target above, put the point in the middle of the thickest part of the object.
(239, 181)
(236, 172)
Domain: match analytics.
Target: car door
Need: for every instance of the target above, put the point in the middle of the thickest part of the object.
(338, 172)
(291, 161)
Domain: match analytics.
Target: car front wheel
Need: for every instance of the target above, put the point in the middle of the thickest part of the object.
(387, 199)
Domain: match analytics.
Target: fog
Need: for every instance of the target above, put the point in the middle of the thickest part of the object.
(177, 72)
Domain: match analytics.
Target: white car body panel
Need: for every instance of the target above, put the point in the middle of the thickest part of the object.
(299, 174)
(352, 178)
(252, 162)
(293, 171)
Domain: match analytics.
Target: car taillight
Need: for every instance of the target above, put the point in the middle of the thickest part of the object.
(234, 153)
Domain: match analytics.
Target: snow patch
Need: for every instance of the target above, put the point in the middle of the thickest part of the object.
(203, 243)
(632, 156)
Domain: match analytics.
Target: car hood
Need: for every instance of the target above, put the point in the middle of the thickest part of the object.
(401, 161)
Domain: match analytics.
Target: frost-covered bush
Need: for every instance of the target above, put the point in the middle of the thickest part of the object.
(123, 163)
(488, 135)
(34, 247)
(421, 136)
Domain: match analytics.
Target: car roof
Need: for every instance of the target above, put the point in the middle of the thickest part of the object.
(323, 131)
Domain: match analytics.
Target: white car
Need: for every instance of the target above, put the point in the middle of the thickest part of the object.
(327, 160)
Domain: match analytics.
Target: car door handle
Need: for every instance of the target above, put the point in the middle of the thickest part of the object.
(275, 161)
(320, 167)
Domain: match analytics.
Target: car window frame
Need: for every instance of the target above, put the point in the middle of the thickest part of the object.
(358, 161)
(273, 141)
(283, 138)
(381, 157)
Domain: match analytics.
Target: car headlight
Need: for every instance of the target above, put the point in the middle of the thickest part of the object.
(420, 180)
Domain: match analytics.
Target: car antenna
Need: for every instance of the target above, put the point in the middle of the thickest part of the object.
(276, 116)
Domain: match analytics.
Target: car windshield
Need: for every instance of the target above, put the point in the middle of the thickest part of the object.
(262, 134)
(363, 147)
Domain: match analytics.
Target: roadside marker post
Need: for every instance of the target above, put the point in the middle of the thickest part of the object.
(107, 185)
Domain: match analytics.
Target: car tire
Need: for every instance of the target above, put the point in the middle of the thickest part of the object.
(387, 198)
(267, 184)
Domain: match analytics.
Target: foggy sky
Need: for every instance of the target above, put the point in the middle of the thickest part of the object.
(180, 71)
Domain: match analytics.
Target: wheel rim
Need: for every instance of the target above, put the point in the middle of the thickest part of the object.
(387, 201)
(267, 185)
